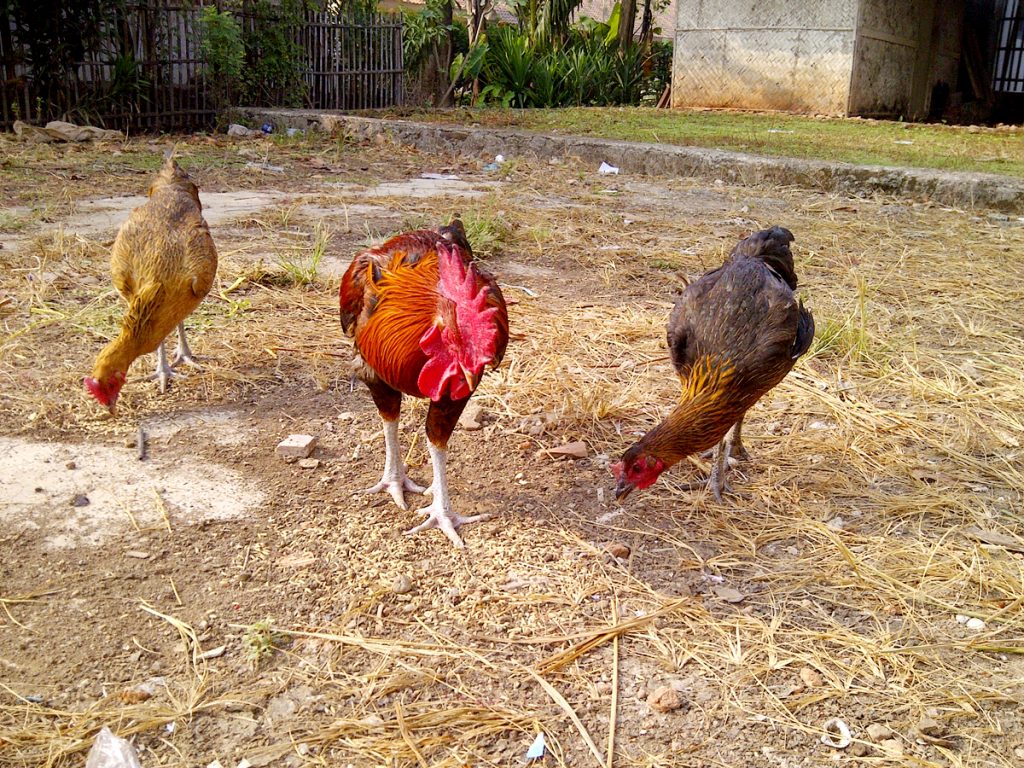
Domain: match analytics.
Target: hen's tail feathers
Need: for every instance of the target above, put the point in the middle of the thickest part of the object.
(804, 332)
(772, 247)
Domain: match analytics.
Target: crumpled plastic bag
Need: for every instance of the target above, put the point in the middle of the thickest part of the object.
(110, 751)
(58, 130)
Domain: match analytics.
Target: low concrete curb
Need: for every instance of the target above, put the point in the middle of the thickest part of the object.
(962, 190)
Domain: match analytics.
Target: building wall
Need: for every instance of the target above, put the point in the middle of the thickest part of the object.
(665, 19)
(903, 50)
(764, 54)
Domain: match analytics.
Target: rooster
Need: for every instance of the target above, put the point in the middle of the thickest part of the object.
(426, 320)
(163, 264)
(733, 335)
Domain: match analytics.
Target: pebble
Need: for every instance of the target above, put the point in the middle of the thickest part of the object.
(70, 465)
(309, 463)
(665, 699)
(892, 747)
(81, 500)
(296, 446)
(617, 550)
(137, 554)
(878, 732)
(401, 585)
(575, 450)
(472, 418)
(975, 624)
(929, 726)
(728, 594)
(811, 678)
(604, 689)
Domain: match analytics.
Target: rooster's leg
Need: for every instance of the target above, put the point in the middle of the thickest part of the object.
(439, 513)
(395, 481)
(441, 419)
(183, 354)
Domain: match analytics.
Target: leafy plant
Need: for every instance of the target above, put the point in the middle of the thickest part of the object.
(259, 641)
(222, 48)
(305, 270)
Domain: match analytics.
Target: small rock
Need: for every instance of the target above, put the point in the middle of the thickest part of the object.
(309, 463)
(892, 747)
(836, 523)
(975, 624)
(296, 446)
(130, 442)
(859, 749)
(401, 585)
(665, 699)
(81, 500)
(962, 619)
(472, 418)
(574, 450)
(604, 689)
(617, 550)
(728, 594)
(811, 678)
(818, 425)
(70, 465)
(137, 554)
(878, 732)
(929, 726)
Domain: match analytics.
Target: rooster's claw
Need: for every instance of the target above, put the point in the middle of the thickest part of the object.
(447, 521)
(397, 488)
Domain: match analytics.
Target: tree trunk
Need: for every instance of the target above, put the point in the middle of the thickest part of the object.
(446, 54)
(627, 20)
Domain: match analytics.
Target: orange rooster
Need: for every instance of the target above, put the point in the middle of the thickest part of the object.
(733, 335)
(426, 320)
(163, 264)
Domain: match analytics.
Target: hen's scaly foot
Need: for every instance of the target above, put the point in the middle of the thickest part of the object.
(447, 521)
(163, 373)
(397, 486)
(185, 356)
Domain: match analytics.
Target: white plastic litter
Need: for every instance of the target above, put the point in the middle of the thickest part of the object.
(536, 750)
(110, 751)
(607, 169)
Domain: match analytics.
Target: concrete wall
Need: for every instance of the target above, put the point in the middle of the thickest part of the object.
(764, 54)
(602, 9)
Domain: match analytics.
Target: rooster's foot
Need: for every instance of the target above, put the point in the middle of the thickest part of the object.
(163, 373)
(397, 486)
(447, 521)
(718, 489)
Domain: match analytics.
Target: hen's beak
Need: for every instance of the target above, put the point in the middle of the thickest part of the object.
(112, 408)
(471, 378)
(622, 489)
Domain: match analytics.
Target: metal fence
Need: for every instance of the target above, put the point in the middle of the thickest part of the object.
(141, 66)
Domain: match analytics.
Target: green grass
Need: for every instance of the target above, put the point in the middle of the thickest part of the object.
(862, 142)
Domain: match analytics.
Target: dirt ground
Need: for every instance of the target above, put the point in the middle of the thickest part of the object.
(216, 603)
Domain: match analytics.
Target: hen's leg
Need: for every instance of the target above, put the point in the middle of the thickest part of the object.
(717, 481)
(394, 480)
(441, 420)
(734, 440)
(163, 372)
(183, 354)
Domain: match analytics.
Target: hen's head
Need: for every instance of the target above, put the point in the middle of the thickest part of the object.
(173, 175)
(637, 469)
(465, 337)
(106, 389)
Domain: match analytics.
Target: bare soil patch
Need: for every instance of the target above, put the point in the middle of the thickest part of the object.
(214, 602)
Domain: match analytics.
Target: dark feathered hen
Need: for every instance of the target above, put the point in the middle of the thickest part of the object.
(733, 335)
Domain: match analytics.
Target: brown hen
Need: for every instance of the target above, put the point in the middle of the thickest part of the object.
(733, 335)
